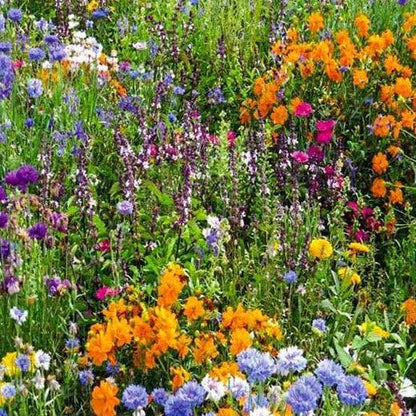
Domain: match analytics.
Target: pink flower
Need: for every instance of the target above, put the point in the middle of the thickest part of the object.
(231, 137)
(329, 170)
(213, 139)
(103, 246)
(18, 64)
(362, 236)
(316, 153)
(354, 207)
(325, 131)
(367, 212)
(105, 291)
(300, 157)
(303, 110)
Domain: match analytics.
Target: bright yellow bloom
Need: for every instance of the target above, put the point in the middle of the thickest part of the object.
(359, 248)
(371, 389)
(350, 275)
(8, 361)
(371, 327)
(92, 5)
(320, 248)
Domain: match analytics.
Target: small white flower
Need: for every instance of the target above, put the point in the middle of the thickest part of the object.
(408, 389)
(140, 46)
(215, 389)
(38, 381)
(261, 411)
(42, 360)
(19, 315)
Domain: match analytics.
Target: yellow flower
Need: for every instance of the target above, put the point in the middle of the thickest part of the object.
(92, 5)
(320, 248)
(349, 275)
(371, 389)
(359, 248)
(8, 362)
(371, 327)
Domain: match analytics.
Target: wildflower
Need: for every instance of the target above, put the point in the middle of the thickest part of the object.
(38, 231)
(134, 397)
(349, 275)
(15, 15)
(18, 315)
(86, 377)
(378, 188)
(396, 194)
(104, 399)
(370, 388)
(72, 343)
(371, 327)
(23, 362)
(171, 284)
(359, 248)
(403, 87)
(100, 13)
(238, 387)
(351, 391)
(320, 248)
(178, 90)
(409, 309)
(329, 373)
(258, 366)
(325, 130)
(159, 396)
(125, 208)
(6, 76)
(215, 389)
(193, 308)
(177, 406)
(360, 78)
(315, 22)
(5, 47)
(320, 325)
(300, 157)
(303, 109)
(279, 115)
(42, 360)
(380, 163)
(304, 394)
(290, 360)
(34, 88)
(290, 277)
(36, 54)
(362, 23)
(192, 393)
(4, 218)
(8, 391)
(240, 340)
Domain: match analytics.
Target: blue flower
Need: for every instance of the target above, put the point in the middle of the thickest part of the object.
(112, 369)
(4, 219)
(176, 406)
(72, 343)
(304, 394)
(178, 90)
(23, 362)
(6, 76)
(290, 277)
(29, 123)
(320, 325)
(86, 377)
(3, 412)
(401, 2)
(8, 391)
(5, 47)
(100, 13)
(134, 397)
(258, 365)
(193, 393)
(160, 396)
(36, 54)
(290, 360)
(329, 372)
(172, 117)
(351, 391)
(125, 208)
(34, 88)
(15, 15)
(239, 387)
(255, 401)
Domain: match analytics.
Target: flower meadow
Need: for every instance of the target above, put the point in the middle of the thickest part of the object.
(207, 207)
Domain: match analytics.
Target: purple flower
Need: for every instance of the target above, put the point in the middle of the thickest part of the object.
(320, 325)
(329, 372)
(111, 369)
(34, 88)
(177, 406)
(36, 54)
(290, 277)
(193, 393)
(258, 365)
(52, 284)
(15, 15)
(18, 315)
(134, 397)
(351, 391)
(100, 13)
(125, 208)
(178, 90)
(29, 123)
(86, 377)
(6, 76)
(239, 387)
(8, 391)
(159, 396)
(11, 285)
(5, 47)
(4, 219)
(216, 96)
(401, 2)
(38, 231)
(72, 343)
(290, 360)
(5, 249)
(3, 195)
(304, 394)
(23, 362)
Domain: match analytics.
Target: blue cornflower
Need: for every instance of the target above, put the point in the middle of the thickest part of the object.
(8, 391)
(86, 377)
(6, 76)
(29, 123)
(2, 23)
(178, 90)
(304, 394)
(36, 54)
(100, 13)
(125, 208)
(111, 369)
(15, 15)
(290, 360)
(351, 391)
(194, 2)
(34, 88)
(134, 397)
(329, 372)
(216, 96)
(23, 362)
(401, 2)
(5, 47)
(172, 117)
(193, 393)
(3, 412)
(177, 406)
(258, 365)
(255, 401)
(72, 343)
(239, 387)
(160, 396)
(290, 277)
(320, 325)
(51, 40)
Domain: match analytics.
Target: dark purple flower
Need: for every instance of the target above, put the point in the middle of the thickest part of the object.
(27, 174)
(38, 231)
(5, 249)
(10, 285)
(3, 195)
(4, 219)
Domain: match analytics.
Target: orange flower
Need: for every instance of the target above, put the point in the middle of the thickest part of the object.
(360, 78)
(411, 44)
(182, 347)
(409, 309)
(396, 194)
(394, 150)
(227, 412)
(104, 399)
(380, 163)
(171, 285)
(99, 347)
(279, 115)
(408, 118)
(403, 87)
(193, 308)
(180, 377)
(382, 125)
(204, 349)
(378, 188)
(120, 331)
(240, 341)
(409, 22)
(362, 23)
(391, 63)
(226, 370)
(315, 22)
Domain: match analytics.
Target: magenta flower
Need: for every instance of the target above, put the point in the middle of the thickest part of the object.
(303, 110)
(300, 157)
(105, 291)
(316, 153)
(362, 236)
(325, 131)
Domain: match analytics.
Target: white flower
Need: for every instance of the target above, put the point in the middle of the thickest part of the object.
(215, 389)
(139, 412)
(38, 381)
(19, 315)
(408, 389)
(140, 46)
(261, 411)
(213, 221)
(42, 360)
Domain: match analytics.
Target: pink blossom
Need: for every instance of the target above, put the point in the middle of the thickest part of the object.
(231, 137)
(316, 153)
(325, 131)
(303, 110)
(213, 139)
(300, 157)
(362, 236)
(354, 207)
(105, 291)
(18, 64)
